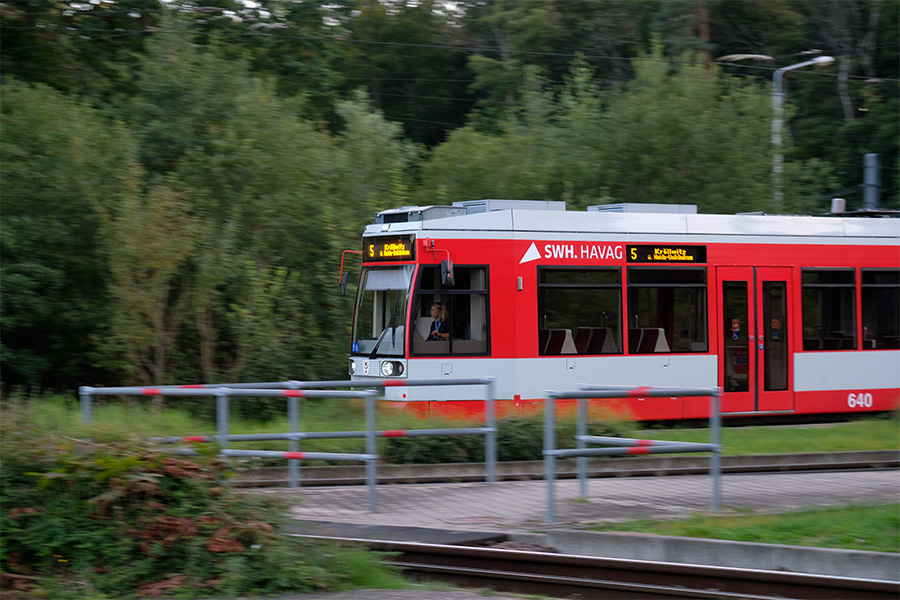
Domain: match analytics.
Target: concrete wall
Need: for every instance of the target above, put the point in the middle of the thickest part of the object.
(747, 555)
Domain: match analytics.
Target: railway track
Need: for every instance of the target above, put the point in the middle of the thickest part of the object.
(533, 470)
(570, 576)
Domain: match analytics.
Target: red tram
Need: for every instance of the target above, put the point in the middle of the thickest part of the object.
(788, 314)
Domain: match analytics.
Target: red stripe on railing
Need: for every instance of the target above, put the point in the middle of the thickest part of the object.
(639, 450)
(294, 454)
(195, 438)
(392, 382)
(150, 391)
(638, 392)
(193, 386)
(292, 393)
(643, 442)
(393, 433)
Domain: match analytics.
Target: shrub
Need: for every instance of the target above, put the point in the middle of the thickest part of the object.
(85, 519)
(518, 438)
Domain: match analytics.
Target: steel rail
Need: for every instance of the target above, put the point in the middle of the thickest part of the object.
(563, 576)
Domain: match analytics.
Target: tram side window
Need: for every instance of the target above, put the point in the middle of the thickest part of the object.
(464, 309)
(579, 311)
(667, 310)
(881, 309)
(829, 309)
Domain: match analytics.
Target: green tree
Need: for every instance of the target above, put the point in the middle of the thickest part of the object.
(85, 48)
(684, 136)
(62, 165)
(297, 47)
(404, 54)
(844, 117)
(579, 139)
(775, 28)
(506, 29)
(377, 163)
(684, 27)
(150, 239)
(274, 199)
(516, 163)
(840, 113)
(258, 181)
(689, 136)
(506, 36)
(183, 92)
(266, 187)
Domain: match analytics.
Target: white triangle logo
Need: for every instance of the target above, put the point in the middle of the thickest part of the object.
(531, 254)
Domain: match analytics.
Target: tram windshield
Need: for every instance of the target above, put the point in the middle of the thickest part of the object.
(380, 316)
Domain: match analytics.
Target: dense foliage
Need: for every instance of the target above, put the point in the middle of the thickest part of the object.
(178, 182)
(110, 520)
(518, 438)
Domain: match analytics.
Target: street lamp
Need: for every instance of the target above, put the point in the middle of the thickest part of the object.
(778, 110)
(778, 123)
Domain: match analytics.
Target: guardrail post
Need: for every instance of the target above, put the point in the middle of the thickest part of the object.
(371, 450)
(222, 416)
(580, 432)
(84, 394)
(549, 447)
(715, 461)
(629, 446)
(294, 443)
(490, 441)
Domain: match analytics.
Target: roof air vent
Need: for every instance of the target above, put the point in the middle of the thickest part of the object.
(410, 214)
(639, 207)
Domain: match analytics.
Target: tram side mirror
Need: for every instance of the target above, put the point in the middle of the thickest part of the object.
(344, 278)
(447, 273)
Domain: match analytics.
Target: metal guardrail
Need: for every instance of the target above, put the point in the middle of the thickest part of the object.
(223, 394)
(623, 446)
(293, 391)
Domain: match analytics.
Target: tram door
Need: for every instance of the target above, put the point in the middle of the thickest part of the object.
(754, 364)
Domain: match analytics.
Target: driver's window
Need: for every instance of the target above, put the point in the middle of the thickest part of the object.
(451, 320)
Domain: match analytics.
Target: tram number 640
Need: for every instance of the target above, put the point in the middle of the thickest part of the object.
(861, 400)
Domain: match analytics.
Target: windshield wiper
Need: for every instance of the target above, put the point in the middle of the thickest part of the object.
(389, 326)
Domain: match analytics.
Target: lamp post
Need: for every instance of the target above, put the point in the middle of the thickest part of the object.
(778, 112)
(778, 123)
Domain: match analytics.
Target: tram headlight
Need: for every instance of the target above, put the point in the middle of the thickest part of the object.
(391, 368)
(352, 367)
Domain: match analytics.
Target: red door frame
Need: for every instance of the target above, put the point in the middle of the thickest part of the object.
(751, 329)
(742, 401)
(777, 400)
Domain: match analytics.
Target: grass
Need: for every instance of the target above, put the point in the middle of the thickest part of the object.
(858, 527)
(868, 434)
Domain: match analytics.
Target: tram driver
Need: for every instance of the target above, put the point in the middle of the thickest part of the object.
(440, 326)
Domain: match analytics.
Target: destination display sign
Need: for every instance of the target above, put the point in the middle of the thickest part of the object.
(395, 247)
(666, 254)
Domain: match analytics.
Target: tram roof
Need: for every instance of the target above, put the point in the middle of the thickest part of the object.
(553, 217)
